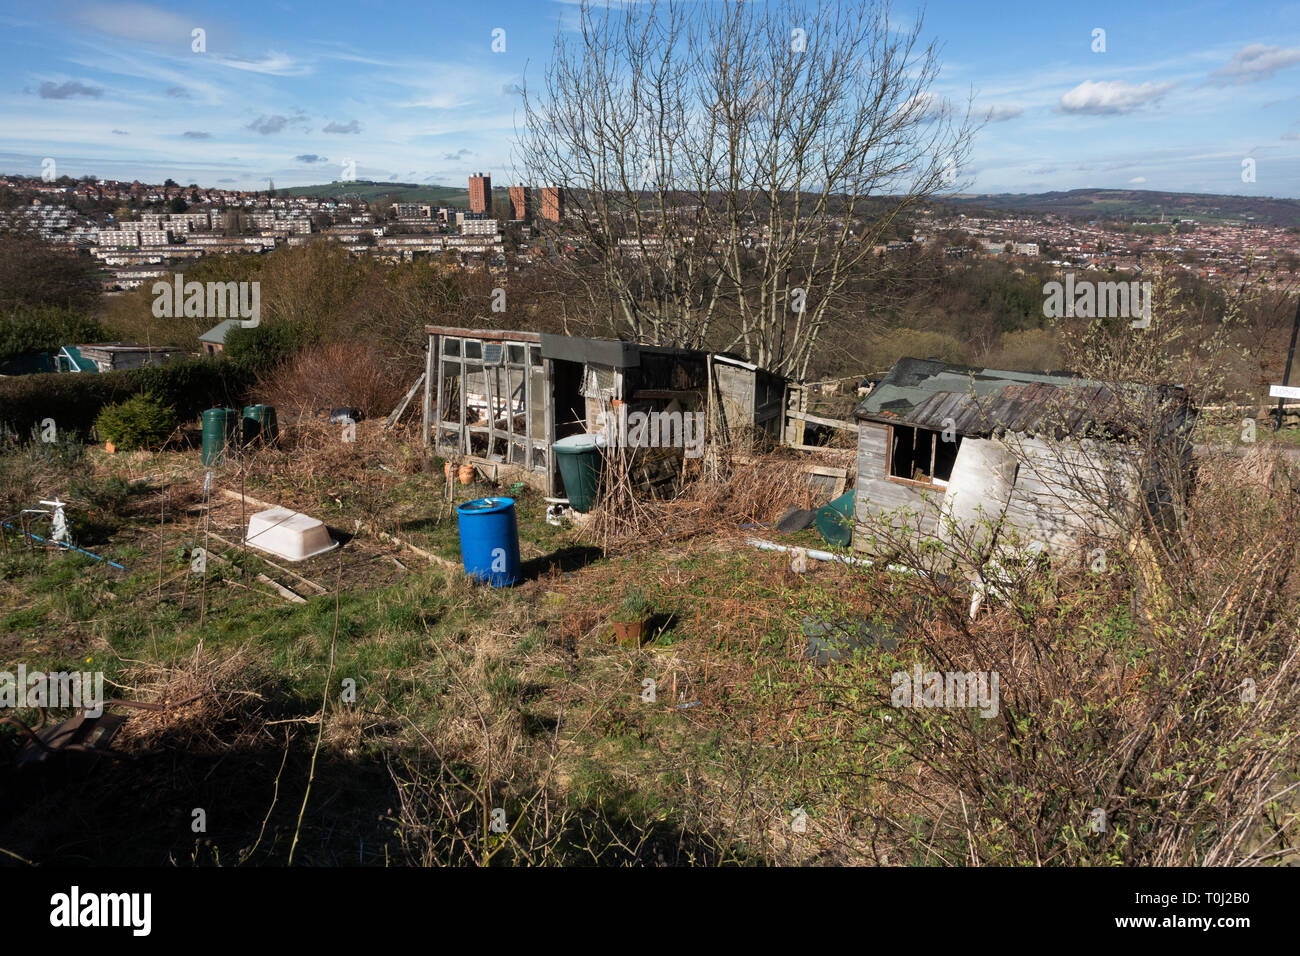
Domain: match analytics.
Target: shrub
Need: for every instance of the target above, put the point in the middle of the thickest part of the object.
(336, 374)
(41, 329)
(265, 346)
(914, 343)
(74, 400)
(142, 421)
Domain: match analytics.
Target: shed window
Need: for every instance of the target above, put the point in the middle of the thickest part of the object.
(920, 454)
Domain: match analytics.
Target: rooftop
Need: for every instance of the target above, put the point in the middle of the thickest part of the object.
(927, 393)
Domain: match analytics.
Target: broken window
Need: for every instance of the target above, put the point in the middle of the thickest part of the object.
(920, 454)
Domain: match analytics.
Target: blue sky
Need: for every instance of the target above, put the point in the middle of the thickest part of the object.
(411, 90)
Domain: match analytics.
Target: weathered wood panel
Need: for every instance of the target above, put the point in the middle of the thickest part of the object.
(1065, 491)
(982, 480)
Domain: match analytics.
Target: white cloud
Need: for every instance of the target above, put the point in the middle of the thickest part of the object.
(136, 21)
(1002, 112)
(1111, 96)
(925, 107)
(1256, 62)
(274, 64)
(1138, 179)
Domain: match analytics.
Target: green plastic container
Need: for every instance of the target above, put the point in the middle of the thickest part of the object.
(220, 430)
(835, 521)
(260, 423)
(579, 459)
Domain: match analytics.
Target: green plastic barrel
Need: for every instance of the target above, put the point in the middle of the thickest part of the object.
(220, 429)
(835, 521)
(579, 459)
(260, 422)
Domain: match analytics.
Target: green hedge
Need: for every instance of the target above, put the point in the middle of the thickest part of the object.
(139, 422)
(74, 400)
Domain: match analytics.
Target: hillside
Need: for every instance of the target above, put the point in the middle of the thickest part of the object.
(402, 192)
(1140, 204)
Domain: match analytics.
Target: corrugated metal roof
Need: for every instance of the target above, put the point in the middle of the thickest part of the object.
(979, 401)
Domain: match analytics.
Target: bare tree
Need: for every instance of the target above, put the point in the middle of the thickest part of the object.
(729, 167)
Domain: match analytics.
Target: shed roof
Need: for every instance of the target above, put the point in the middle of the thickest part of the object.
(78, 361)
(218, 332)
(926, 393)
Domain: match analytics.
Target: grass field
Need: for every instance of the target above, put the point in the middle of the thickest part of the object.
(395, 712)
(518, 695)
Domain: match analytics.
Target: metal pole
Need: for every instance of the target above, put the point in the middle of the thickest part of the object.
(1290, 356)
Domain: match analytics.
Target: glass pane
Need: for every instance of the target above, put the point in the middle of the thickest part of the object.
(473, 349)
(449, 410)
(516, 355)
(537, 406)
(451, 347)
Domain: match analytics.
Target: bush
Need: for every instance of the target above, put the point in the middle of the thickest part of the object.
(336, 374)
(74, 400)
(914, 343)
(142, 421)
(265, 346)
(43, 329)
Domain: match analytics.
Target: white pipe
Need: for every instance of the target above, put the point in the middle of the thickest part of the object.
(825, 555)
(976, 600)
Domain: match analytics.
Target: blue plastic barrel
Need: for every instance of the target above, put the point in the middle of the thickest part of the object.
(489, 540)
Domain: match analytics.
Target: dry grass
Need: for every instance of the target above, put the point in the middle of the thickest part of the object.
(716, 497)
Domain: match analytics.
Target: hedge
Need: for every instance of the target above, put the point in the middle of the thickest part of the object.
(74, 400)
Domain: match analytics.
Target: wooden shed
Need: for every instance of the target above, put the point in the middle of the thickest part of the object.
(504, 397)
(948, 452)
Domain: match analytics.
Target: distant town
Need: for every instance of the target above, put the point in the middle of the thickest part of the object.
(154, 228)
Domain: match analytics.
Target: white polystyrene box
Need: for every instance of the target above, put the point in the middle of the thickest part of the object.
(289, 534)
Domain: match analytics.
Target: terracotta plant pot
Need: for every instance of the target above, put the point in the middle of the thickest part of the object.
(466, 474)
(449, 473)
(629, 633)
(110, 448)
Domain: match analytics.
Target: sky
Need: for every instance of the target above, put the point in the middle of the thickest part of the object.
(1189, 97)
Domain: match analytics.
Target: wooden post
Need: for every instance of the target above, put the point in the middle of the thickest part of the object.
(430, 358)
(1290, 355)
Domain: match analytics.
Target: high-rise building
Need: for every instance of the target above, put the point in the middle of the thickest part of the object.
(552, 203)
(480, 193)
(521, 200)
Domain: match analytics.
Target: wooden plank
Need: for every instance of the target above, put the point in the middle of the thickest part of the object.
(261, 556)
(819, 420)
(430, 359)
(828, 471)
(487, 335)
(358, 525)
(802, 447)
(280, 589)
(245, 498)
(396, 413)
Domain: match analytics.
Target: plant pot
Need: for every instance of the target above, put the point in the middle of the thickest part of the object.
(110, 448)
(449, 473)
(629, 633)
(466, 474)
